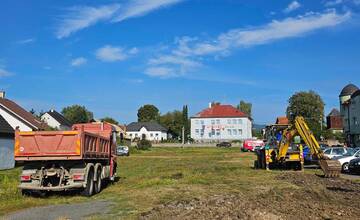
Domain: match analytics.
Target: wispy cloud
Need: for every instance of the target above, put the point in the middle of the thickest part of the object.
(78, 61)
(81, 17)
(137, 8)
(292, 7)
(26, 41)
(189, 53)
(4, 72)
(110, 53)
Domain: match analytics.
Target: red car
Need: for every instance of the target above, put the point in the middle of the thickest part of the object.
(250, 144)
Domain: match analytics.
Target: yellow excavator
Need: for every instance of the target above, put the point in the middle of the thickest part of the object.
(278, 155)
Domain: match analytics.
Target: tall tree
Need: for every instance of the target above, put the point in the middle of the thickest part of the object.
(148, 113)
(310, 106)
(245, 107)
(110, 120)
(77, 114)
(185, 121)
(173, 121)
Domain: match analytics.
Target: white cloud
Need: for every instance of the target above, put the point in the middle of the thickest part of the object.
(4, 72)
(26, 41)
(81, 17)
(189, 53)
(292, 7)
(78, 61)
(110, 53)
(333, 3)
(138, 8)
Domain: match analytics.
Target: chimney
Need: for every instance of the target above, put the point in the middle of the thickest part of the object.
(2, 94)
(210, 104)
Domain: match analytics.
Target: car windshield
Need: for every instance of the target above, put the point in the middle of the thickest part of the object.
(350, 152)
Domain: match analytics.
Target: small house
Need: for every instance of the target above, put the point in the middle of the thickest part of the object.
(151, 131)
(56, 120)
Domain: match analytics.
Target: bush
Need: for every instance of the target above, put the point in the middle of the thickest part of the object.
(143, 144)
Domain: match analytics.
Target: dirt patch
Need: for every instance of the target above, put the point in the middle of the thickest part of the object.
(300, 196)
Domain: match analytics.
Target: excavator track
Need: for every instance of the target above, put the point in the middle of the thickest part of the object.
(331, 168)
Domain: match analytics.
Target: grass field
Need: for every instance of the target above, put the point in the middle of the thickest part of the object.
(161, 175)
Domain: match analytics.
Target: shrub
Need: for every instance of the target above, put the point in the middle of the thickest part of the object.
(143, 144)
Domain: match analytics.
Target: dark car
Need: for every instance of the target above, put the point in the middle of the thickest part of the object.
(354, 166)
(223, 144)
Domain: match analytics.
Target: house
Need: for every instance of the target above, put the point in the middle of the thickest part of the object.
(334, 121)
(17, 117)
(350, 112)
(56, 120)
(6, 145)
(152, 131)
(220, 123)
(282, 120)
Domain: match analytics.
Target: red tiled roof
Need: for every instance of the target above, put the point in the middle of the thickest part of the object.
(21, 113)
(282, 120)
(220, 111)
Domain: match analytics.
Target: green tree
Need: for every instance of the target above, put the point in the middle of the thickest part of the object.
(173, 121)
(148, 113)
(110, 120)
(245, 107)
(77, 114)
(310, 106)
(185, 121)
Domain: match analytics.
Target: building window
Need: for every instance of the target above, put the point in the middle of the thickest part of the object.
(213, 132)
(151, 134)
(234, 121)
(202, 132)
(197, 122)
(212, 122)
(130, 135)
(136, 135)
(239, 121)
(156, 134)
(217, 132)
(202, 122)
(218, 121)
(229, 132)
(197, 131)
(234, 132)
(229, 121)
(240, 131)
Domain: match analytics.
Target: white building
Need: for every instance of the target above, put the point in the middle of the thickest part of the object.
(17, 117)
(56, 120)
(152, 131)
(350, 112)
(220, 123)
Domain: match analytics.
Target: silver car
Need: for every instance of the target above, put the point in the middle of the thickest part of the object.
(335, 152)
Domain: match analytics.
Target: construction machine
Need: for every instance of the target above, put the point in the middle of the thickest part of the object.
(281, 153)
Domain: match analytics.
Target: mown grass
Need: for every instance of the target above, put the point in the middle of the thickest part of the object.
(157, 176)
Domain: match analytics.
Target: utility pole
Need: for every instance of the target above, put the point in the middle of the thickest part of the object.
(183, 136)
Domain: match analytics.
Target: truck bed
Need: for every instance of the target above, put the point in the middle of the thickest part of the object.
(61, 145)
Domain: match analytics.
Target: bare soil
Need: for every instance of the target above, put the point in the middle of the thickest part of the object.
(307, 197)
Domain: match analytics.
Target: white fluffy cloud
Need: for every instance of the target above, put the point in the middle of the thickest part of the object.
(189, 53)
(26, 41)
(110, 53)
(292, 7)
(78, 61)
(4, 72)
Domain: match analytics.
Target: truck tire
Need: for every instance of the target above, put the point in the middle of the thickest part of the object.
(89, 189)
(98, 183)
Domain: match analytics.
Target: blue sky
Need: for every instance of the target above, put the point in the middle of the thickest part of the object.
(114, 56)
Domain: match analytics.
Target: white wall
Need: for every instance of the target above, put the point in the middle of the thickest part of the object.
(14, 122)
(214, 129)
(53, 123)
(150, 135)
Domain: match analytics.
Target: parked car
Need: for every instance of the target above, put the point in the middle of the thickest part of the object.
(122, 151)
(251, 144)
(351, 154)
(335, 151)
(223, 144)
(354, 166)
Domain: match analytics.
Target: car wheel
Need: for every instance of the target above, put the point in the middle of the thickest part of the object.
(345, 168)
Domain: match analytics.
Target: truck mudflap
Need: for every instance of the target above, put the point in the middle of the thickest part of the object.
(51, 188)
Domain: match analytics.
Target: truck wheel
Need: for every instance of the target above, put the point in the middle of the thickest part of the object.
(25, 192)
(345, 168)
(97, 186)
(89, 189)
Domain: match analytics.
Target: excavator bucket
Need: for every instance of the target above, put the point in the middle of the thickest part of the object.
(331, 168)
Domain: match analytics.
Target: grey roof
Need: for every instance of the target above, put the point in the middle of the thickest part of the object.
(5, 128)
(59, 118)
(334, 112)
(150, 126)
(355, 93)
(348, 90)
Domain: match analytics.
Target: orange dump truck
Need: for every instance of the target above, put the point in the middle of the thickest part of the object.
(82, 158)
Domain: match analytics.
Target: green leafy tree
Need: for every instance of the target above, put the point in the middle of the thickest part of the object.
(310, 106)
(245, 107)
(110, 120)
(77, 114)
(148, 113)
(173, 121)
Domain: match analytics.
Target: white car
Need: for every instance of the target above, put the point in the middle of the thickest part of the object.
(345, 159)
(335, 152)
